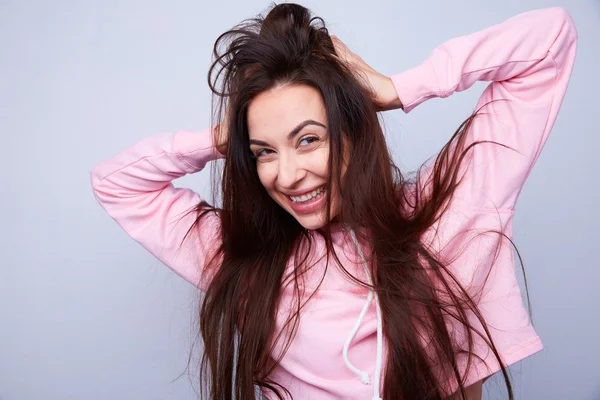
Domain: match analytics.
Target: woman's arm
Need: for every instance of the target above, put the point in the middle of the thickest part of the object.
(135, 189)
(529, 59)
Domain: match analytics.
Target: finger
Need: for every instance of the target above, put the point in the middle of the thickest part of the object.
(341, 49)
(336, 44)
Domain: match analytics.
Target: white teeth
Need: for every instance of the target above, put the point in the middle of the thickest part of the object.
(305, 197)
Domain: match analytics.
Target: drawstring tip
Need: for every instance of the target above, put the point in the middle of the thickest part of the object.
(364, 378)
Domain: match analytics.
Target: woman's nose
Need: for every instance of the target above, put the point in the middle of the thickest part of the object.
(290, 171)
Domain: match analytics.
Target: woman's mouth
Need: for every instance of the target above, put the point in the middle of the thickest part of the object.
(309, 202)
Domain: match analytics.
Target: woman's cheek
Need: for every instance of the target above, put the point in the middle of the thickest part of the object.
(266, 175)
(320, 160)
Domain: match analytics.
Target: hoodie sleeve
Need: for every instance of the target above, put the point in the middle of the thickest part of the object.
(135, 189)
(528, 59)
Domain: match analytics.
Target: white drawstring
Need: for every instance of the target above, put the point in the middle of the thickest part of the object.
(364, 376)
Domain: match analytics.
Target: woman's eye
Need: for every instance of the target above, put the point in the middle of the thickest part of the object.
(262, 152)
(308, 140)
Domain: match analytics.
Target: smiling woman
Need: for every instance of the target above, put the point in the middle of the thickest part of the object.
(328, 273)
(292, 160)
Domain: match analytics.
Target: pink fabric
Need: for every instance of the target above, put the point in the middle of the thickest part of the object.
(528, 60)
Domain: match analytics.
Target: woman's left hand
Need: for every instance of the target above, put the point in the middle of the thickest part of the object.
(383, 91)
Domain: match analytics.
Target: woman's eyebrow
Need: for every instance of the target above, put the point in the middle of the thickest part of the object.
(293, 132)
(301, 125)
(258, 143)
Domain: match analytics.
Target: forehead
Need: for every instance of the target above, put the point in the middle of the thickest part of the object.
(276, 112)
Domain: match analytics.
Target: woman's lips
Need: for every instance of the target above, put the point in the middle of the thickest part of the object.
(309, 206)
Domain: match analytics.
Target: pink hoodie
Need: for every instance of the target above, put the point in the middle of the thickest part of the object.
(339, 352)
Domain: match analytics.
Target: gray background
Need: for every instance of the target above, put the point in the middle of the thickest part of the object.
(86, 313)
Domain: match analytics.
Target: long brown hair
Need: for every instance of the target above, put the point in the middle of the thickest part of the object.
(417, 292)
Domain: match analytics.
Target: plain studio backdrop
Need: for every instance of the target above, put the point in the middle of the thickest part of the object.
(87, 313)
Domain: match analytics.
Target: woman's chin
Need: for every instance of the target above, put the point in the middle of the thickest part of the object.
(312, 221)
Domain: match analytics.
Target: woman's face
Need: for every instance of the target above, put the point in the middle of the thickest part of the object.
(288, 133)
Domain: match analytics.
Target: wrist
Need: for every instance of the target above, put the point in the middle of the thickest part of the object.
(391, 100)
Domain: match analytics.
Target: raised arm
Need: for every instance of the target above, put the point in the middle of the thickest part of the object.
(529, 59)
(135, 189)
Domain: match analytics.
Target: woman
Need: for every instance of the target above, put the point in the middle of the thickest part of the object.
(328, 274)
